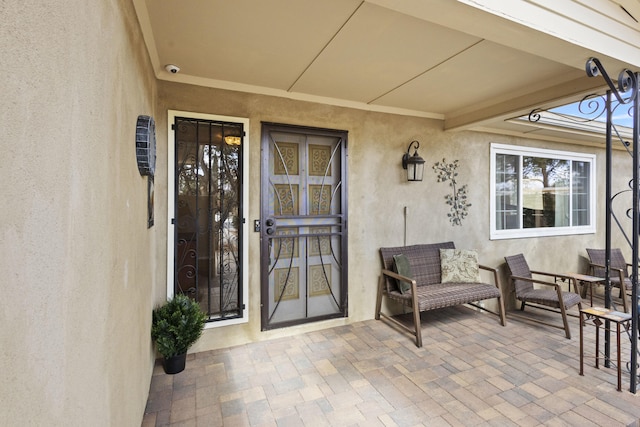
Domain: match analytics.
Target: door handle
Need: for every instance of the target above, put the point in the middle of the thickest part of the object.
(271, 226)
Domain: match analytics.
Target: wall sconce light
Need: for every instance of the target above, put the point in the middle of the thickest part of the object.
(232, 140)
(413, 164)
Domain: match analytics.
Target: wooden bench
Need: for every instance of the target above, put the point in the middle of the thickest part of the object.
(427, 292)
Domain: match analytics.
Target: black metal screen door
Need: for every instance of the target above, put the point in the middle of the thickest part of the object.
(303, 227)
(208, 214)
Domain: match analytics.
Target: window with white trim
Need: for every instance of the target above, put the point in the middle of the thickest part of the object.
(538, 192)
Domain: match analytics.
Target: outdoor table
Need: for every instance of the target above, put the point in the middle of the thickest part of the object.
(585, 281)
(597, 315)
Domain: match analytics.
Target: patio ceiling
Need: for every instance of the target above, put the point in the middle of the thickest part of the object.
(441, 59)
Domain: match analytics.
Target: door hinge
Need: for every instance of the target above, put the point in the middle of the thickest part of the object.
(173, 220)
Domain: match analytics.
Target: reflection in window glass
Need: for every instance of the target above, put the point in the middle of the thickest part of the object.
(539, 192)
(581, 191)
(545, 192)
(507, 171)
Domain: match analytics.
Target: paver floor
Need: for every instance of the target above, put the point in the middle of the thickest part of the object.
(470, 372)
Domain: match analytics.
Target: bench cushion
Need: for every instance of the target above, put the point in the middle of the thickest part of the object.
(459, 265)
(450, 294)
(401, 266)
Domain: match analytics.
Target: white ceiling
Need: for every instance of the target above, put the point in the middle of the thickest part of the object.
(431, 58)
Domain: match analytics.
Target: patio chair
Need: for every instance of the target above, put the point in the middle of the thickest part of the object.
(550, 298)
(619, 272)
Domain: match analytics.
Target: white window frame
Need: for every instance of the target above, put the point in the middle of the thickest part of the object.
(519, 151)
(172, 114)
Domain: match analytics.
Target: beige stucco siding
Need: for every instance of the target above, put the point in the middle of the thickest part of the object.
(378, 193)
(77, 262)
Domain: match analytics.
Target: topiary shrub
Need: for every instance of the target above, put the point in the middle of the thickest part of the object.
(176, 325)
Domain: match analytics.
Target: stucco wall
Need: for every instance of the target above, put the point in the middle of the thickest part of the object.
(378, 193)
(77, 262)
(80, 270)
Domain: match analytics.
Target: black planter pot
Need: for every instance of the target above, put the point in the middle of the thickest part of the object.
(175, 364)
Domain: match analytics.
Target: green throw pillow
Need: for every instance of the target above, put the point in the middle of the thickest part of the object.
(459, 266)
(401, 266)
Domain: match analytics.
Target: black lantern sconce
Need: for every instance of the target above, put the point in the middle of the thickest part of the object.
(232, 135)
(413, 164)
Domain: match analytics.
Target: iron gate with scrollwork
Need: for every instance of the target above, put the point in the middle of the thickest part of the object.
(208, 214)
(303, 225)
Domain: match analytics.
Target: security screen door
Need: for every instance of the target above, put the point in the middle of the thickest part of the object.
(208, 215)
(303, 225)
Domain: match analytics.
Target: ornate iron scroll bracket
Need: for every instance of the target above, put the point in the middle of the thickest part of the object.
(596, 107)
(627, 81)
(592, 107)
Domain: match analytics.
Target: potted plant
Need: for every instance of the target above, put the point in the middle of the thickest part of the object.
(176, 325)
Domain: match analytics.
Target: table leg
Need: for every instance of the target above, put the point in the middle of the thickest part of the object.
(619, 367)
(581, 345)
(584, 286)
(583, 289)
(597, 345)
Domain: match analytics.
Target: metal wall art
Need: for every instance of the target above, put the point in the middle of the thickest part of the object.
(458, 199)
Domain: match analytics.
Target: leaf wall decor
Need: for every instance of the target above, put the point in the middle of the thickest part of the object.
(458, 199)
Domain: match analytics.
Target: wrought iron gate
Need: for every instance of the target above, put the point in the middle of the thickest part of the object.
(208, 214)
(303, 225)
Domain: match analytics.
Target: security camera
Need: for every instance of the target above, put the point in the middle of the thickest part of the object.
(173, 69)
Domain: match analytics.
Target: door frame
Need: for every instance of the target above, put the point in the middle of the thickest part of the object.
(171, 141)
(264, 189)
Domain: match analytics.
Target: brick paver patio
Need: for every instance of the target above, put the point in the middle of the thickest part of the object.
(470, 372)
